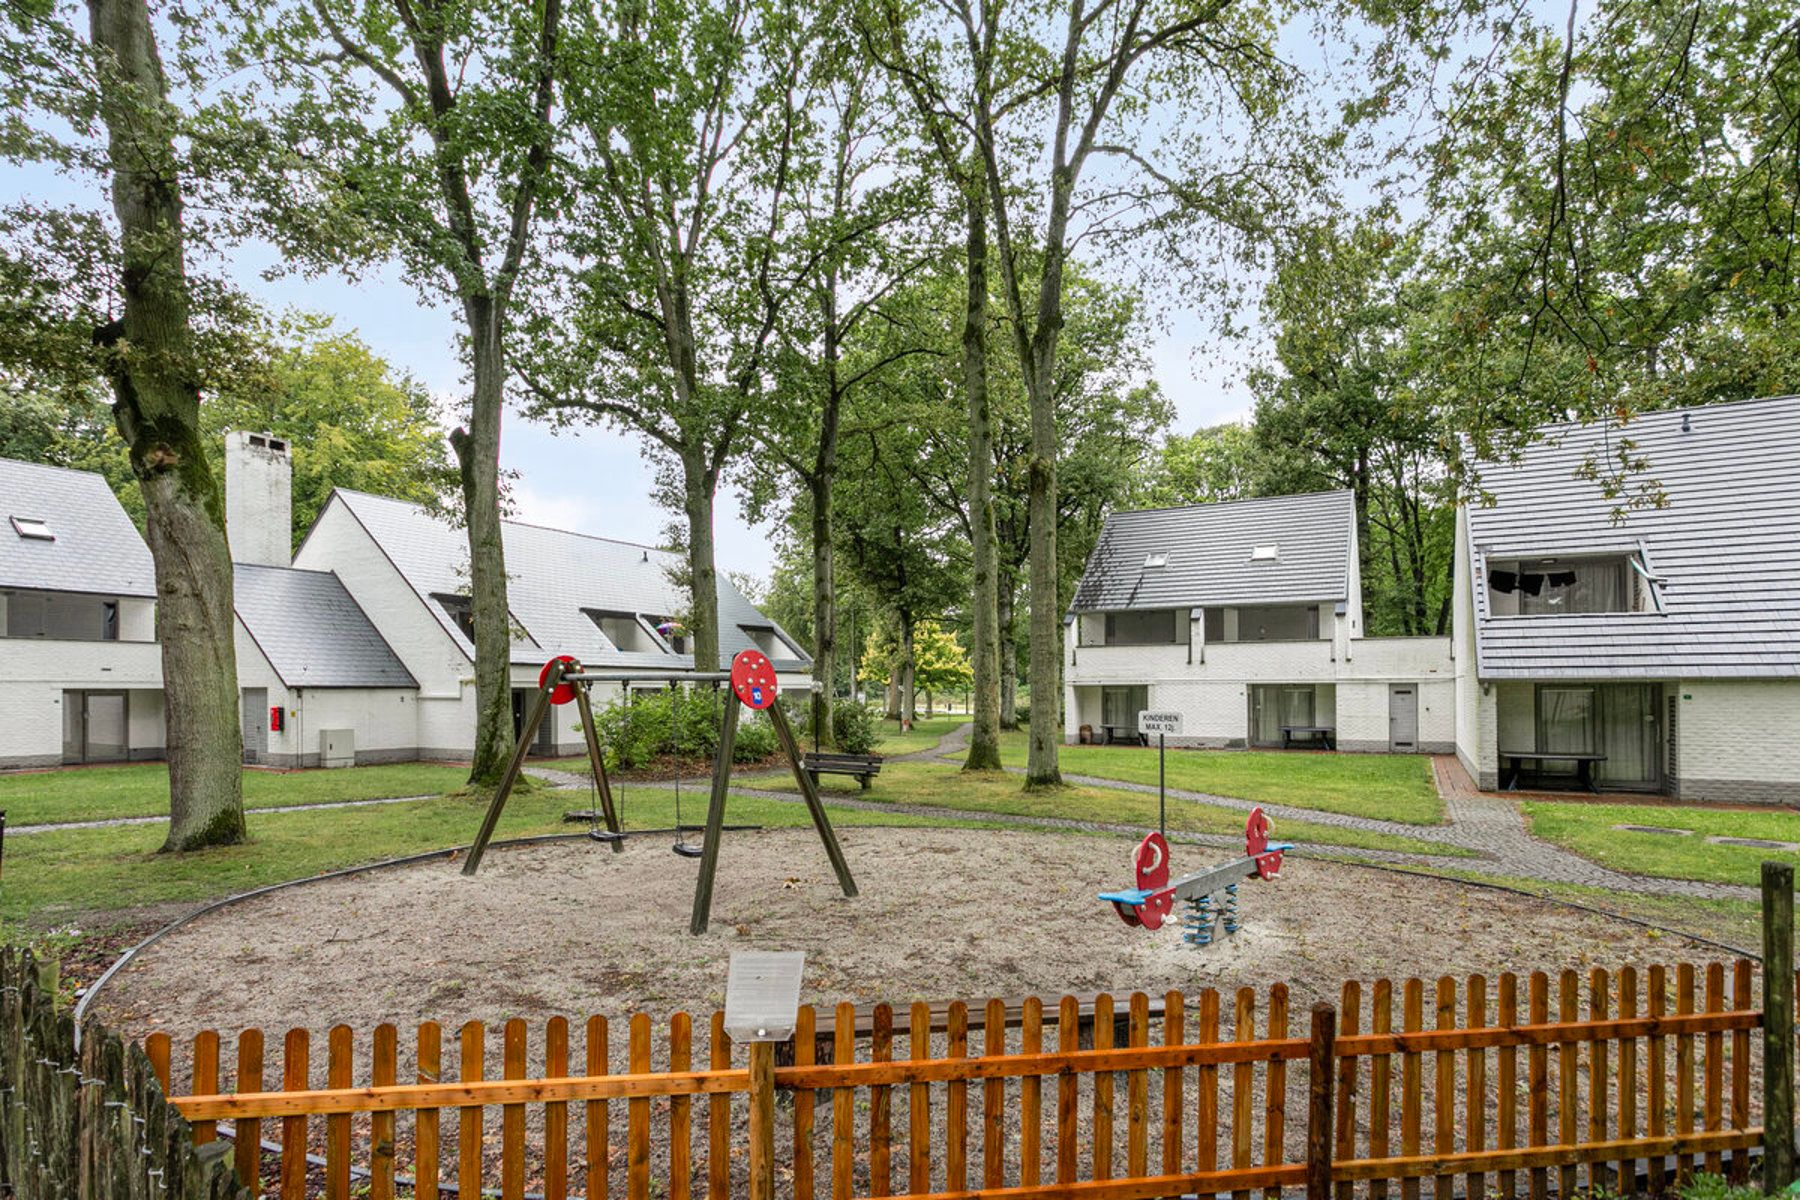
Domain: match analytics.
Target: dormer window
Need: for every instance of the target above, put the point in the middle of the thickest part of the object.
(1527, 587)
(33, 528)
(1155, 560)
(1269, 553)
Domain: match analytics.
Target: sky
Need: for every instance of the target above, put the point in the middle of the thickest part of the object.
(597, 480)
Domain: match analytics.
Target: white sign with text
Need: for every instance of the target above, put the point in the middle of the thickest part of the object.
(1168, 723)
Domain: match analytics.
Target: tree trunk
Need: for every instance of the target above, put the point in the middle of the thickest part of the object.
(156, 405)
(984, 742)
(1041, 766)
(909, 692)
(1009, 655)
(894, 711)
(478, 462)
(824, 611)
(698, 486)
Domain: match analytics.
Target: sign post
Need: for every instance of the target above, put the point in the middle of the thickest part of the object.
(762, 1002)
(1161, 724)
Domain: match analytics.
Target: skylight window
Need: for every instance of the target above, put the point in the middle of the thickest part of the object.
(1156, 560)
(33, 528)
(1269, 553)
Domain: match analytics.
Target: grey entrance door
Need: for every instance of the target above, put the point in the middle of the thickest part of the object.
(1403, 718)
(256, 725)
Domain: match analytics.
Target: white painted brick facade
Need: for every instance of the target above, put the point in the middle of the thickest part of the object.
(34, 673)
(1209, 683)
(1735, 740)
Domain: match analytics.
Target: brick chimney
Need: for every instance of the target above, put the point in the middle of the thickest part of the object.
(259, 503)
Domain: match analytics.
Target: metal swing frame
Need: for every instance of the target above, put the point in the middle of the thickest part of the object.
(559, 672)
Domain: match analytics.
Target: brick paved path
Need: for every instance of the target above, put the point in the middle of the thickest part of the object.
(1489, 826)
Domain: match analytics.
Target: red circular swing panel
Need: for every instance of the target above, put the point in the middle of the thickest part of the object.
(562, 693)
(753, 679)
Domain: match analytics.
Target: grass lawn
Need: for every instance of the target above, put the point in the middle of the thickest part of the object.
(142, 789)
(1587, 829)
(50, 876)
(1390, 787)
(925, 733)
(945, 786)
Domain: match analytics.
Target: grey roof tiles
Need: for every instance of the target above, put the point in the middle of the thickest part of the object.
(553, 575)
(1209, 554)
(96, 548)
(312, 632)
(1726, 544)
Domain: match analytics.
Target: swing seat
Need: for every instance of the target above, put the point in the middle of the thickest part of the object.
(605, 835)
(688, 851)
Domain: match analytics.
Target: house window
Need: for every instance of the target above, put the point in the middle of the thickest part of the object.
(461, 610)
(1277, 623)
(33, 528)
(1150, 627)
(1273, 706)
(628, 632)
(109, 620)
(767, 640)
(1553, 586)
(1119, 706)
(1269, 553)
(59, 616)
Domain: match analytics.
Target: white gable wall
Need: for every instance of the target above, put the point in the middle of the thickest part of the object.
(444, 722)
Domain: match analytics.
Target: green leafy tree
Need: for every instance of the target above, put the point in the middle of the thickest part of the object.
(352, 421)
(368, 130)
(110, 297)
(658, 314)
(1213, 463)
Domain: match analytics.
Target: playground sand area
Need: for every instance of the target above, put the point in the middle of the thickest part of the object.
(574, 929)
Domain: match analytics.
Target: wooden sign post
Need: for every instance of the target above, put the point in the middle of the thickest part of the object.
(1778, 1026)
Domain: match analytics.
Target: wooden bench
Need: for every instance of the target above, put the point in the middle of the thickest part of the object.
(1323, 734)
(861, 767)
(1584, 766)
(825, 1023)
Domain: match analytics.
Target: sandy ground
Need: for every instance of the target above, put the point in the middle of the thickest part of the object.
(573, 929)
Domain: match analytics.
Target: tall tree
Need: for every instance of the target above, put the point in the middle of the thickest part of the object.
(90, 298)
(658, 314)
(378, 128)
(928, 76)
(854, 243)
(1045, 88)
(156, 402)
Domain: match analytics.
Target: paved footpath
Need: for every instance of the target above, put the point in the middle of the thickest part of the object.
(1488, 826)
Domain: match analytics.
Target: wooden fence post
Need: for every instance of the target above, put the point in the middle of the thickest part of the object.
(762, 1121)
(1778, 1025)
(1322, 1062)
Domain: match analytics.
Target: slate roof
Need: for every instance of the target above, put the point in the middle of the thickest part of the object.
(553, 575)
(1209, 547)
(97, 548)
(1727, 546)
(312, 632)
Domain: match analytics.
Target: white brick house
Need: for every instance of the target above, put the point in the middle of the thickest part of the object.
(1653, 648)
(1246, 617)
(80, 670)
(358, 652)
(598, 599)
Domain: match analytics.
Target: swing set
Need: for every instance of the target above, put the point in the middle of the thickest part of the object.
(752, 684)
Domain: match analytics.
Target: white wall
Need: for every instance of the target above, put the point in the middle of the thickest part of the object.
(1476, 718)
(258, 499)
(1735, 740)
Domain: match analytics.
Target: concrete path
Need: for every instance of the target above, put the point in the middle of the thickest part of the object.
(1489, 826)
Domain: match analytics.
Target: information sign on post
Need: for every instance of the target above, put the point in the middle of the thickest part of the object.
(1162, 724)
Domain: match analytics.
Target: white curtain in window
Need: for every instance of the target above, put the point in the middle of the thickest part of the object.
(1565, 723)
(1628, 734)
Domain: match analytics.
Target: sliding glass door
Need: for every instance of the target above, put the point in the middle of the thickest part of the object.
(1618, 720)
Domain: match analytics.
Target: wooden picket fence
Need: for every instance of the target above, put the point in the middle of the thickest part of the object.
(1515, 1086)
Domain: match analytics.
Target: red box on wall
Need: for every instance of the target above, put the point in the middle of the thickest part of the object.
(275, 715)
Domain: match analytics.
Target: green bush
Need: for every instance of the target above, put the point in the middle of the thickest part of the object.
(858, 727)
(1715, 1187)
(679, 724)
(1022, 713)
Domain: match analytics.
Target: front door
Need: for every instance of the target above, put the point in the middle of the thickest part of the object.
(1630, 736)
(545, 741)
(256, 725)
(1403, 718)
